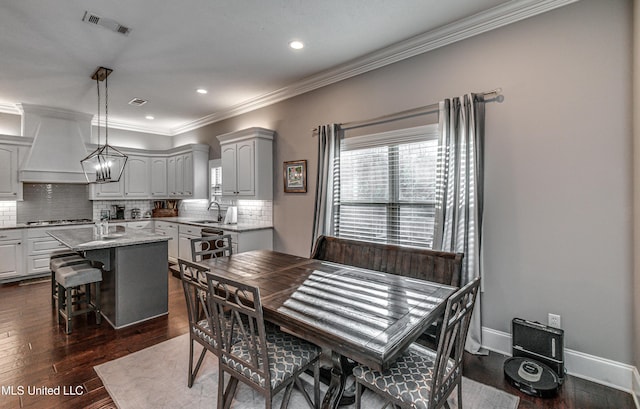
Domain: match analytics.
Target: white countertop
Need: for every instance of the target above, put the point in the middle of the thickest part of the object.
(84, 238)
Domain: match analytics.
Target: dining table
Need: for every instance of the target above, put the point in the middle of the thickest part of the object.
(366, 316)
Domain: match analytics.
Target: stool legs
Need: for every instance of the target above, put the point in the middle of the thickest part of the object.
(68, 305)
(66, 301)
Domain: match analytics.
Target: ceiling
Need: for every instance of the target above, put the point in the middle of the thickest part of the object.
(237, 50)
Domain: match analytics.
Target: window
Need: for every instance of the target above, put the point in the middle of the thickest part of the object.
(387, 187)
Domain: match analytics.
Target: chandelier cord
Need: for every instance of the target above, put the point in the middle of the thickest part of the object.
(98, 121)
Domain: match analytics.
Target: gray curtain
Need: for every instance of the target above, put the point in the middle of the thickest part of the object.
(459, 192)
(328, 157)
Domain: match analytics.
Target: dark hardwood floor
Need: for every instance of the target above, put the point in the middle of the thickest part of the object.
(35, 352)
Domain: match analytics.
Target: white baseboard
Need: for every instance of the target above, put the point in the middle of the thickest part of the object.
(601, 370)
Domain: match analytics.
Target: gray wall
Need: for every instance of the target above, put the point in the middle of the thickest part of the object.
(636, 185)
(558, 181)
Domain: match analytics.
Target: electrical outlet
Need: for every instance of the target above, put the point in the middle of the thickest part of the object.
(554, 320)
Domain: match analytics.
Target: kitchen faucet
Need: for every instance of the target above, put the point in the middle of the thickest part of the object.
(213, 202)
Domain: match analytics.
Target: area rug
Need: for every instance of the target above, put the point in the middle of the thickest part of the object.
(156, 377)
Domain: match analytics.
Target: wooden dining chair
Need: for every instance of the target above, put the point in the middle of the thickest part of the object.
(194, 283)
(266, 358)
(423, 378)
(211, 247)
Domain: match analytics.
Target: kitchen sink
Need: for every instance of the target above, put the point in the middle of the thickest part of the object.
(206, 222)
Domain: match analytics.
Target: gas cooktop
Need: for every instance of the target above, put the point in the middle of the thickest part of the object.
(54, 222)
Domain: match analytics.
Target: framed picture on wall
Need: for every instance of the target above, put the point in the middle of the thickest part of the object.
(295, 176)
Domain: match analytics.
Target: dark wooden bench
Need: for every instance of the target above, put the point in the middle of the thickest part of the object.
(438, 266)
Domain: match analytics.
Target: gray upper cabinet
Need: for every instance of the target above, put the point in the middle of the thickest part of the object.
(159, 177)
(8, 172)
(178, 173)
(247, 163)
(137, 177)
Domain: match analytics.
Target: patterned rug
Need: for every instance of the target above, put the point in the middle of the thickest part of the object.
(156, 377)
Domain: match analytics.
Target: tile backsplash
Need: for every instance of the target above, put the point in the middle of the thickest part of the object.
(54, 201)
(99, 205)
(249, 211)
(7, 213)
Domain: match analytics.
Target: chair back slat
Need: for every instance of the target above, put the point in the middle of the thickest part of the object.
(211, 247)
(453, 334)
(194, 283)
(237, 308)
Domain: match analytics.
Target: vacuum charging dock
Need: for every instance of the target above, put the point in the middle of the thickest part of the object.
(537, 366)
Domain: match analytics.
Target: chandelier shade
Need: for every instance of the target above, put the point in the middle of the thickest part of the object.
(106, 163)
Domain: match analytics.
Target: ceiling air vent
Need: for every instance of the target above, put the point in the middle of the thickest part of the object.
(137, 102)
(107, 23)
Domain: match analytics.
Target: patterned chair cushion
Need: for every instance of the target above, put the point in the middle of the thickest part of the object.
(203, 331)
(286, 353)
(408, 380)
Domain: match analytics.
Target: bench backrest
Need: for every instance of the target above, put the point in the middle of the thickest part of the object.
(438, 266)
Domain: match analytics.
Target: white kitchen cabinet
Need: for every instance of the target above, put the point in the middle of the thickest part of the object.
(11, 254)
(251, 240)
(137, 177)
(111, 190)
(40, 246)
(247, 163)
(141, 225)
(169, 229)
(159, 177)
(9, 185)
(187, 175)
(186, 233)
(180, 173)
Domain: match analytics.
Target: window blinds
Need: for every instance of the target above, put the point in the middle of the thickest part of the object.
(387, 187)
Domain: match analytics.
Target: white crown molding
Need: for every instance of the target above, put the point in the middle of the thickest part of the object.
(9, 109)
(593, 368)
(491, 19)
(482, 22)
(135, 128)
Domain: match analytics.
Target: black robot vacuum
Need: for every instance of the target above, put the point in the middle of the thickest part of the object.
(531, 377)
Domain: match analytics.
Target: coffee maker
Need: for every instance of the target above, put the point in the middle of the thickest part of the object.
(118, 212)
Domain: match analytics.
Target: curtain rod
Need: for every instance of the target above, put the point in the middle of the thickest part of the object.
(427, 109)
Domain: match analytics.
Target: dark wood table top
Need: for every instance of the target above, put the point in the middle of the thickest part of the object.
(365, 315)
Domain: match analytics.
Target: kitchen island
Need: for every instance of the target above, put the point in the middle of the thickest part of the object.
(135, 274)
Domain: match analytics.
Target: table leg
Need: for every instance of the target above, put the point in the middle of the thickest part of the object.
(336, 394)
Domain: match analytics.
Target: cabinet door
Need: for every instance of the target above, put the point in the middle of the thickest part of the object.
(188, 174)
(245, 168)
(159, 177)
(137, 180)
(10, 258)
(8, 172)
(180, 175)
(228, 160)
(171, 176)
(110, 190)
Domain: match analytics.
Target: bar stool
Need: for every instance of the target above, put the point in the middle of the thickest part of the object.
(62, 258)
(73, 277)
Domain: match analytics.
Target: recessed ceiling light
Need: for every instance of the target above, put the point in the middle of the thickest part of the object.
(296, 45)
(150, 117)
(201, 91)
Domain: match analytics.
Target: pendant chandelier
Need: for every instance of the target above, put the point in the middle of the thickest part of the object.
(106, 163)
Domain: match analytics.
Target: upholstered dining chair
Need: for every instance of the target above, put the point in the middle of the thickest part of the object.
(211, 247)
(266, 358)
(422, 378)
(194, 283)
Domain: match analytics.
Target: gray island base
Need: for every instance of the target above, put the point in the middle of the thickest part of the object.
(135, 278)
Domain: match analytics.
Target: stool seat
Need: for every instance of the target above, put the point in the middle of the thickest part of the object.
(58, 262)
(72, 277)
(77, 274)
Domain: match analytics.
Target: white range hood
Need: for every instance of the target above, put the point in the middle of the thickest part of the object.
(59, 143)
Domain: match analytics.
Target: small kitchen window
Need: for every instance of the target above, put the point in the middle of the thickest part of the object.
(387, 187)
